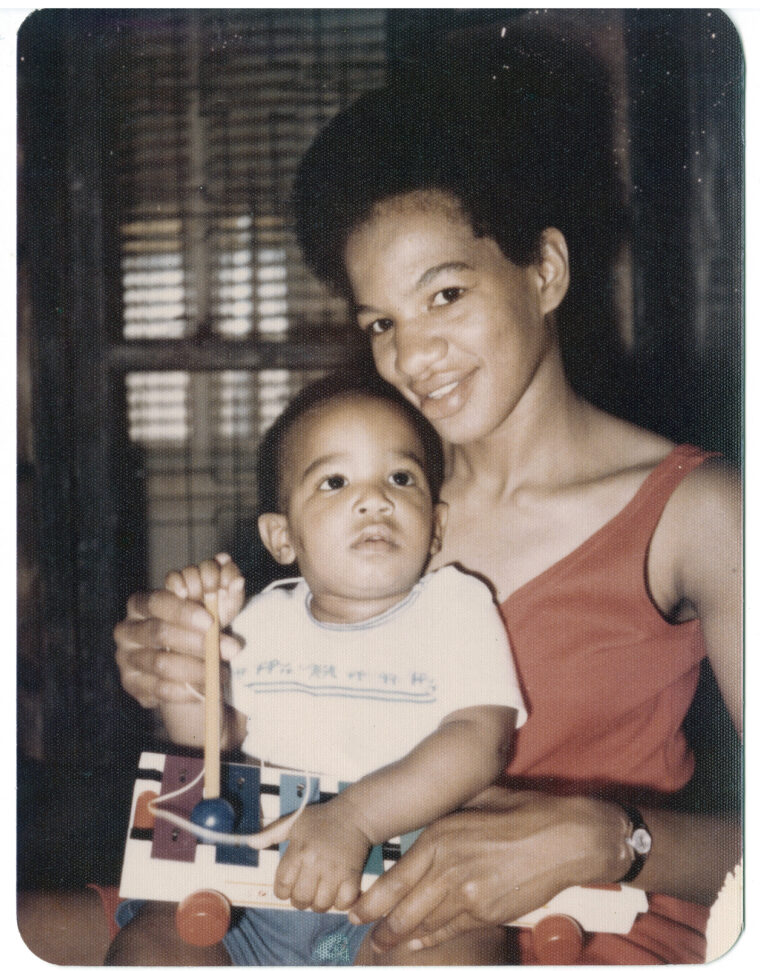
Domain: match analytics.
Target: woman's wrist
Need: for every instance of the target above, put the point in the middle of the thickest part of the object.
(570, 840)
(606, 855)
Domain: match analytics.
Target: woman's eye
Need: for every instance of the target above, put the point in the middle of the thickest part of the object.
(447, 295)
(380, 326)
(402, 478)
(332, 482)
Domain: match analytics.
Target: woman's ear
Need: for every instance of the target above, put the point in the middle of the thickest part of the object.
(275, 535)
(553, 269)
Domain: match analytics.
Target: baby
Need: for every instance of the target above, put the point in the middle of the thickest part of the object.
(365, 669)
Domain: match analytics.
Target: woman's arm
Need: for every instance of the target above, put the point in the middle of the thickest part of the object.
(695, 565)
(695, 569)
(493, 864)
(691, 854)
(508, 853)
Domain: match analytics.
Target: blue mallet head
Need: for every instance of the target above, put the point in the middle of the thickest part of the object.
(214, 814)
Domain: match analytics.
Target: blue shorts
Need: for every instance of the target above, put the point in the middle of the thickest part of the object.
(285, 938)
(294, 938)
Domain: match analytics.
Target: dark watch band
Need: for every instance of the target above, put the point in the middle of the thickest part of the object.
(640, 841)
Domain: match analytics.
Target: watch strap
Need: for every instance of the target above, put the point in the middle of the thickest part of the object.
(640, 841)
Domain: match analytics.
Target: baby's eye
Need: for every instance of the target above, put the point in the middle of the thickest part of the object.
(447, 295)
(380, 326)
(333, 482)
(402, 478)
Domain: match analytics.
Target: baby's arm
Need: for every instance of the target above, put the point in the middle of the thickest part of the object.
(329, 843)
(185, 721)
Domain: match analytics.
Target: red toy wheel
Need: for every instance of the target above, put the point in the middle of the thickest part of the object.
(203, 918)
(557, 939)
(143, 816)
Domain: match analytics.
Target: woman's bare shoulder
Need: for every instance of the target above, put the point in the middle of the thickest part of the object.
(713, 487)
(622, 448)
(709, 493)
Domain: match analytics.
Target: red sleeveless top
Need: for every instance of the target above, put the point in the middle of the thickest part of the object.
(607, 682)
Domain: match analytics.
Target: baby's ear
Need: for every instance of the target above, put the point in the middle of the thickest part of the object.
(440, 518)
(275, 535)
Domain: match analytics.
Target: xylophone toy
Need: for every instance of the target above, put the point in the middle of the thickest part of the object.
(195, 838)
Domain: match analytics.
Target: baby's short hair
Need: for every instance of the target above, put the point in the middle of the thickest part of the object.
(362, 384)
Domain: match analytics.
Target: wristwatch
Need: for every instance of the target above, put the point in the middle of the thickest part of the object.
(640, 841)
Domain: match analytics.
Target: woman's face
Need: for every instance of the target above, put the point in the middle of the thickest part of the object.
(459, 329)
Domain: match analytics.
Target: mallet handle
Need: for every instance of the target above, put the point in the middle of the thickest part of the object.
(212, 756)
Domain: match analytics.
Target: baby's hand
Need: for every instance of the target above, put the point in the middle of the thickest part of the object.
(219, 575)
(323, 864)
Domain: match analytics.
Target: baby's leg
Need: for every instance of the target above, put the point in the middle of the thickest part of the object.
(150, 939)
(490, 945)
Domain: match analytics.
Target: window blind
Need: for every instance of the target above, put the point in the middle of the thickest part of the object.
(216, 110)
(213, 110)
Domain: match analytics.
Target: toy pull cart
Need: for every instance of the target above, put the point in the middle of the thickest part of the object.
(164, 860)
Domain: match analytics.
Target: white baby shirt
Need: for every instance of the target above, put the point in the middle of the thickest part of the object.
(344, 700)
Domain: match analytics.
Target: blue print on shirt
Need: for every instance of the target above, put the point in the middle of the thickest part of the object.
(328, 680)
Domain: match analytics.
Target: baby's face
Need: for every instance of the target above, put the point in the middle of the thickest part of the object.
(360, 517)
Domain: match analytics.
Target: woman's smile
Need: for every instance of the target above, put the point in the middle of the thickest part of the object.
(446, 400)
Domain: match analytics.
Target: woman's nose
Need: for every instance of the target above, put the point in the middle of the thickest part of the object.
(417, 349)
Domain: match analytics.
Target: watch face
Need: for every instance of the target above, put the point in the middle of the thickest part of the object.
(641, 841)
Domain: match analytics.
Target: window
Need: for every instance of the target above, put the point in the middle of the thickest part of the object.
(220, 321)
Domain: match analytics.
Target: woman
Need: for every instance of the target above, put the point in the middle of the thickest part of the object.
(454, 210)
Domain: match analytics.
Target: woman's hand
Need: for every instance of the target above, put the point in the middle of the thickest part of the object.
(503, 856)
(160, 643)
